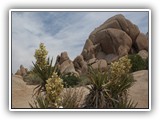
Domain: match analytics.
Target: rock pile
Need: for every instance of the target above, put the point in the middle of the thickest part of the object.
(113, 39)
(22, 71)
(64, 64)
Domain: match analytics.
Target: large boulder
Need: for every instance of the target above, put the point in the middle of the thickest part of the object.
(80, 65)
(100, 64)
(143, 54)
(118, 22)
(111, 43)
(65, 65)
(142, 42)
(63, 57)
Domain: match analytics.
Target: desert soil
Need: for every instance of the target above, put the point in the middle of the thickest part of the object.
(22, 93)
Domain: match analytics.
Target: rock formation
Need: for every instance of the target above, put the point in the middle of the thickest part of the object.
(22, 71)
(115, 38)
(64, 64)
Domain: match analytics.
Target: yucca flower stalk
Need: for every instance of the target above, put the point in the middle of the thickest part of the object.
(54, 87)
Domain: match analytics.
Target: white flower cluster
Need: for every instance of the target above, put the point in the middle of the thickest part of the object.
(121, 67)
(54, 88)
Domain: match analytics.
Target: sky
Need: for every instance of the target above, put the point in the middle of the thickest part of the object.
(59, 31)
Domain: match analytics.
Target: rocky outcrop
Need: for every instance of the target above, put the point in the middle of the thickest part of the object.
(115, 38)
(65, 65)
(22, 71)
(80, 65)
(142, 42)
(111, 43)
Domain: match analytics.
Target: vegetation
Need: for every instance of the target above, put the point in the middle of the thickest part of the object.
(32, 79)
(72, 97)
(54, 88)
(44, 74)
(137, 63)
(40, 102)
(108, 89)
(41, 55)
(70, 80)
(51, 98)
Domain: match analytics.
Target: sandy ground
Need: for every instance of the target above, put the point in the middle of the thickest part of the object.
(139, 91)
(22, 93)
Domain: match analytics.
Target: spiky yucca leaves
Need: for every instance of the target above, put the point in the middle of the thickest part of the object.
(40, 102)
(54, 88)
(109, 89)
(98, 91)
(44, 73)
(72, 97)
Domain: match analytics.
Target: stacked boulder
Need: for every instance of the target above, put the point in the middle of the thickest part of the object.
(22, 71)
(64, 64)
(113, 39)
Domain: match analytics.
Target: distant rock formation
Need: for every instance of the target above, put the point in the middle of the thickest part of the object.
(22, 71)
(64, 64)
(115, 38)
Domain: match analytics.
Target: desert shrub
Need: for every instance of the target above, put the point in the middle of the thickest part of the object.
(147, 63)
(32, 79)
(70, 80)
(109, 89)
(72, 97)
(137, 63)
(84, 80)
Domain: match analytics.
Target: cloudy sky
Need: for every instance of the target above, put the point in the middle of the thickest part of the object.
(59, 31)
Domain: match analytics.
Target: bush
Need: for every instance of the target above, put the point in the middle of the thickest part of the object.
(137, 63)
(72, 97)
(40, 102)
(70, 80)
(32, 79)
(147, 63)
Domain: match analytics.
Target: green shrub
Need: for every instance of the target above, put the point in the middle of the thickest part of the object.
(70, 80)
(32, 79)
(147, 63)
(137, 63)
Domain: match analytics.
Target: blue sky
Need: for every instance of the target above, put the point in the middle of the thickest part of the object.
(59, 31)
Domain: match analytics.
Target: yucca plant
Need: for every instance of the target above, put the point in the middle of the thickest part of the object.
(44, 73)
(109, 89)
(72, 97)
(98, 92)
(54, 87)
(40, 102)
